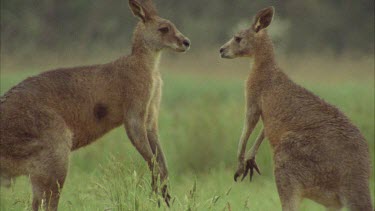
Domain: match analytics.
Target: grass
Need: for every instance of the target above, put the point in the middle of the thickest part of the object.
(200, 124)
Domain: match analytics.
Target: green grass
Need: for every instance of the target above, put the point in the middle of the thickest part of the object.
(200, 124)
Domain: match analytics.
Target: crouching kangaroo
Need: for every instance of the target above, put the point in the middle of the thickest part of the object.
(46, 117)
(318, 153)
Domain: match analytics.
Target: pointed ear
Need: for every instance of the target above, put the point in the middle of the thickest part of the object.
(138, 10)
(263, 19)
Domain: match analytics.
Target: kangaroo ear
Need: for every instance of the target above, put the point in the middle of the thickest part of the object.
(138, 10)
(263, 19)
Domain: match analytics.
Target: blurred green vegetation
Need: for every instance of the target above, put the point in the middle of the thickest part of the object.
(73, 25)
(200, 124)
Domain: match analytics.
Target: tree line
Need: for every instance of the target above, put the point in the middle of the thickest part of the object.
(338, 25)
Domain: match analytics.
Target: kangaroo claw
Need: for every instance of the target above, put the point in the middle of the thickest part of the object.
(250, 166)
(236, 175)
(166, 195)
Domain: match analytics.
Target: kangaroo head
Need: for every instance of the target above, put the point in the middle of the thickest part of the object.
(246, 42)
(155, 32)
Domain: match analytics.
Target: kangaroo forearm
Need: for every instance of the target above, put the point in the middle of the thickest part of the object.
(153, 139)
(243, 142)
(138, 136)
(254, 149)
(248, 129)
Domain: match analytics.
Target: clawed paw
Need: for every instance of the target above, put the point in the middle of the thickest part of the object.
(166, 196)
(250, 166)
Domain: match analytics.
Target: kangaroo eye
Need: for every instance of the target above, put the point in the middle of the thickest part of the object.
(238, 39)
(164, 30)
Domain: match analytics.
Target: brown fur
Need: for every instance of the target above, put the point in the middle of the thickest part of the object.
(46, 117)
(318, 153)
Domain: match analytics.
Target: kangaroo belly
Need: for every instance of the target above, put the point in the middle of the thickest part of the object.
(89, 132)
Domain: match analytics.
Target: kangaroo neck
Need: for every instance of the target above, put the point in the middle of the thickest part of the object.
(145, 56)
(264, 63)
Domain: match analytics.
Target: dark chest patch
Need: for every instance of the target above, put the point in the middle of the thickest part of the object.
(100, 111)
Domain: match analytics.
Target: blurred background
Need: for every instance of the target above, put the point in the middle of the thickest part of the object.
(326, 46)
(86, 27)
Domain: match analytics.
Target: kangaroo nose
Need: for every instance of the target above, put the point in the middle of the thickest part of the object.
(221, 50)
(186, 43)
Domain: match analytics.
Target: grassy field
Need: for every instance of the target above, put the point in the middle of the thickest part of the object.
(200, 124)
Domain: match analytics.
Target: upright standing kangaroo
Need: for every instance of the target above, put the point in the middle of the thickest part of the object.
(318, 153)
(46, 117)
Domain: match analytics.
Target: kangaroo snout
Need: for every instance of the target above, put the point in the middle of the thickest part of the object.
(185, 44)
(224, 53)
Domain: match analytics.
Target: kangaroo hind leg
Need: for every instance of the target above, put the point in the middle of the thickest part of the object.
(49, 172)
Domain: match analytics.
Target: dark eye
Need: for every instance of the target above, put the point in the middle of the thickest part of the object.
(238, 39)
(164, 30)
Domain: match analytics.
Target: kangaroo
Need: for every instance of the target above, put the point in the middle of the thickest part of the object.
(47, 116)
(318, 153)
